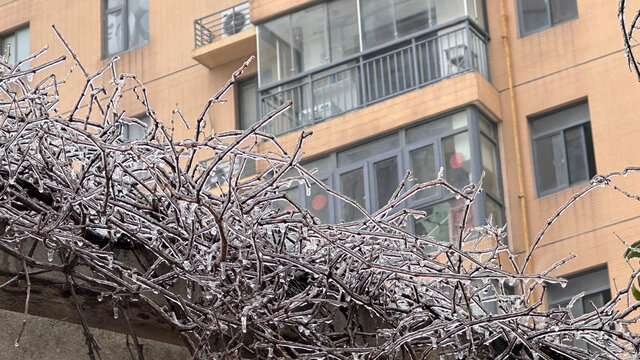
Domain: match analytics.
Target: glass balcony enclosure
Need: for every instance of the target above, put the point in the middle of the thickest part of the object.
(464, 144)
(340, 55)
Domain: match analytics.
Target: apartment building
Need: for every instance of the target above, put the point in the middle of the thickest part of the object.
(534, 93)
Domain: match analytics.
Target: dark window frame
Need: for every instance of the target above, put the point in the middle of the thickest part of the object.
(550, 22)
(588, 153)
(402, 154)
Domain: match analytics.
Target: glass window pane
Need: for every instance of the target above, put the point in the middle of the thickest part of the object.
(364, 151)
(411, 16)
(323, 165)
(597, 300)
(275, 50)
(487, 126)
(115, 32)
(475, 9)
(310, 43)
(495, 210)
(294, 195)
(435, 223)
(138, 18)
(436, 127)
(248, 103)
(386, 174)
(490, 165)
(114, 3)
(447, 10)
(423, 165)
(352, 185)
(563, 10)
(8, 48)
(318, 203)
(343, 29)
(534, 15)
(442, 220)
(377, 22)
(574, 142)
(560, 119)
(457, 159)
(551, 171)
(135, 131)
(22, 46)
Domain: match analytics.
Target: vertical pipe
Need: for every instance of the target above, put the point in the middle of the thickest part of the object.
(516, 132)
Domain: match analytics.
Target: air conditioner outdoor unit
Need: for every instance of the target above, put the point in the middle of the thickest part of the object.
(456, 59)
(235, 20)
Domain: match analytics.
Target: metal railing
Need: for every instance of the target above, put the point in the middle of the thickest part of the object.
(374, 77)
(221, 24)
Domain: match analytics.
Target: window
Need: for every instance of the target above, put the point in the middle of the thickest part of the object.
(537, 15)
(247, 100)
(125, 25)
(595, 284)
(463, 143)
(15, 46)
(133, 132)
(562, 149)
(331, 31)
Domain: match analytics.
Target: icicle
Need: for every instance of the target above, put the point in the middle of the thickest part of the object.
(244, 323)
(189, 292)
(110, 257)
(50, 255)
(115, 312)
(16, 343)
(270, 355)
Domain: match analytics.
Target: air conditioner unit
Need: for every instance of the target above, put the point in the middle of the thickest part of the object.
(456, 59)
(235, 20)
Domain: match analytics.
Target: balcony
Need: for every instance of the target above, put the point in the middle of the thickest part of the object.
(223, 36)
(375, 75)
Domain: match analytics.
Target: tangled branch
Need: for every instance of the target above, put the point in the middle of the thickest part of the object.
(236, 267)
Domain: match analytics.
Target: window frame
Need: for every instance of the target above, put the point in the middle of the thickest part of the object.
(402, 154)
(124, 39)
(240, 83)
(585, 125)
(13, 33)
(550, 23)
(126, 128)
(282, 79)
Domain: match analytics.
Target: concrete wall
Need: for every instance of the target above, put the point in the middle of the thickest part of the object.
(58, 340)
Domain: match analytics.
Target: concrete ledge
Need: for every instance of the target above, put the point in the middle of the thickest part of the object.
(222, 51)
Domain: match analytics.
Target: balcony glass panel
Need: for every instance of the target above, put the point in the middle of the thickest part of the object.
(353, 186)
(275, 50)
(377, 22)
(442, 220)
(413, 15)
(375, 77)
(310, 38)
(423, 163)
(386, 179)
(457, 159)
(437, 127)
(343, 29)
(490, 165)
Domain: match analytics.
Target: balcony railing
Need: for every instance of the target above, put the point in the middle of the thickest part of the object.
(221, 24)
(373, 77)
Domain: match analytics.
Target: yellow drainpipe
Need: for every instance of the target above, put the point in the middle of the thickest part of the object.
(514, 117)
